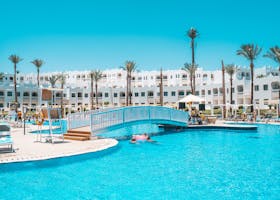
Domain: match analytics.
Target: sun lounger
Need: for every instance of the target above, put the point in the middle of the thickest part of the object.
(5, 136)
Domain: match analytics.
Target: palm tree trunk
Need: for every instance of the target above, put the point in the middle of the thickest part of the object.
(130, 92)
(91, 92)
(194, 83)
(230, 92)
(252, 86)
(224, 90)
(61, 100)
(127, 90)
(191, 82)
(193, 63)
(161, 89)
(15, 87)
(279, 96)
(230, 89)
(38, 77)
(96, 96)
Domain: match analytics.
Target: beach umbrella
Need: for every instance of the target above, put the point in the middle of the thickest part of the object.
(190, 99)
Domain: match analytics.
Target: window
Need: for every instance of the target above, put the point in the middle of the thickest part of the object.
(209, 92)
(18, 94)
(99, 94)
(150, 93)
(115, 94)
(136, 94)
(34, 94)
(181, 93)
(165, 94)
(202, 92)
(86, 95)
(80, 94)
(240, 88)
(122, 94)
(197, 93)
(142, 94)
(256, 88)
(221, 90)
(265, 87)
(215, 91)
(9, 94)
(173, 93)
(73, 95)
(1, 93)
(106, 94)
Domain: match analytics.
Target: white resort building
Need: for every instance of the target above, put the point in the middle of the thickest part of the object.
(145, 88)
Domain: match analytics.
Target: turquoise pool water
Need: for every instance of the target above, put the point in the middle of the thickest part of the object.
(206, 164)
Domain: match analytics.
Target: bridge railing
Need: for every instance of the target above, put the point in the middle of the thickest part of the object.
(120, 116)
(81, 119)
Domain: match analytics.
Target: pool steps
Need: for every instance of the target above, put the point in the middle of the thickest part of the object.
(77, 135)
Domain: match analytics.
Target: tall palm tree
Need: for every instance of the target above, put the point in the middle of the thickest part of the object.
(230, 70)
(15, 60)
(96, 76)
(274, 54)
(161, 88)
(62, 80)
(193, 33)
(250, 52)
(190, 69)
(38, 64)
(130, 66)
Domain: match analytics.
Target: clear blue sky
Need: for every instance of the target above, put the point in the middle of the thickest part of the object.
(91, 34)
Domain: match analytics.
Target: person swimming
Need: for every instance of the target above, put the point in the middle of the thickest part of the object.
(141, 138)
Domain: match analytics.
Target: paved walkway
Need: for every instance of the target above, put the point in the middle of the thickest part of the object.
(27, 148)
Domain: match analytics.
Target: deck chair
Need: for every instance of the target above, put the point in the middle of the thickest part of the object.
(5, 136)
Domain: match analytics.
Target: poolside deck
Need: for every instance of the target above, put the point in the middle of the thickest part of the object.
(27, 149)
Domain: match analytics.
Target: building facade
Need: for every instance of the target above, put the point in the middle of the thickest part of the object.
(145, 88)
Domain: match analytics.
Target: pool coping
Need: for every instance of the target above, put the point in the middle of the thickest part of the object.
(27, 149)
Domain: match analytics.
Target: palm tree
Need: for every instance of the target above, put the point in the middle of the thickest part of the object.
(95, 76)
(15, 60)
(193, 33)
(250, 52)
(62, 80)
(130, 66)
(161, 88)
(189, 68)
(38, 63)
(230, 70)
(53, 79)
(274, 54)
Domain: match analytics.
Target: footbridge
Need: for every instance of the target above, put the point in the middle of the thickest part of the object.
(129, 115)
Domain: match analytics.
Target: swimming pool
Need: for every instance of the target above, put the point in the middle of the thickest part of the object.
(205, 164)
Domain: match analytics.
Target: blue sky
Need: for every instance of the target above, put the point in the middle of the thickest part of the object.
(91, 34)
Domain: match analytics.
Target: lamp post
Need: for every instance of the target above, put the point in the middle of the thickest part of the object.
(24, 114)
